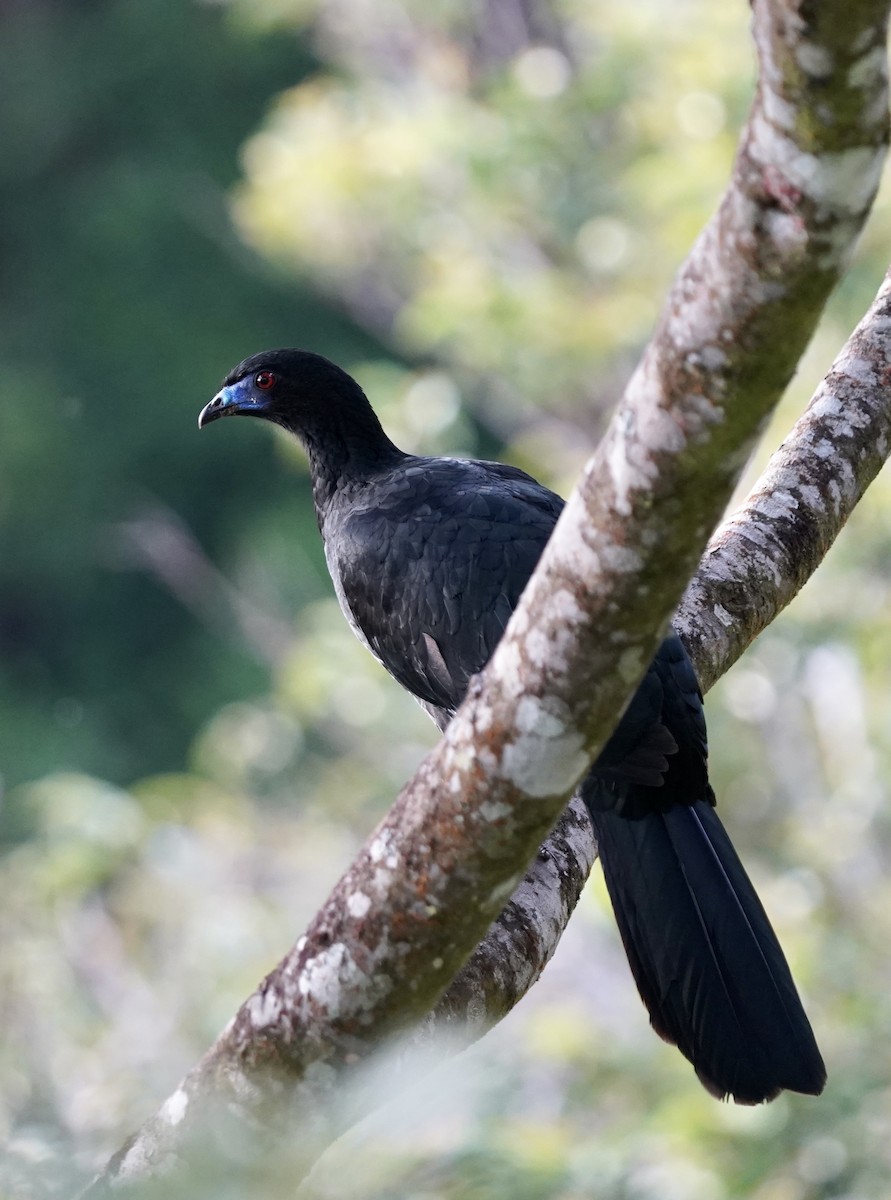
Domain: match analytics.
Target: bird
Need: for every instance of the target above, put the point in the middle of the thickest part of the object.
(428, 557)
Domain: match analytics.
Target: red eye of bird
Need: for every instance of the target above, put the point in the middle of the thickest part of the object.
(265, 380)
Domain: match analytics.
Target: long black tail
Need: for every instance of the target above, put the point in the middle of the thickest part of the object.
(706, 961)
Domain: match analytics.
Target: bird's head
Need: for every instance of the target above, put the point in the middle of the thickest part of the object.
(292, 388)
(311, 398)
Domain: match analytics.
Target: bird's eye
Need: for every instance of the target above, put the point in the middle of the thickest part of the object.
(265, 380)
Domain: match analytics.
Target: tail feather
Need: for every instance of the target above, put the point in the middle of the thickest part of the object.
(704, 956)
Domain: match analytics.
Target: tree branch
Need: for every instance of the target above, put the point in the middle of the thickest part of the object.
(762, 556)
(755, 563)
(436, 872)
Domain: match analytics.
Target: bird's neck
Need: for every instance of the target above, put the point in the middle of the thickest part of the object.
(345, 455)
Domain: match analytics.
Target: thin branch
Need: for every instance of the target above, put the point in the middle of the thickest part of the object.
(434, 875)
(762, 556)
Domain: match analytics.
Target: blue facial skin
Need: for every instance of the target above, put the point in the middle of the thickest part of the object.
(240, 397)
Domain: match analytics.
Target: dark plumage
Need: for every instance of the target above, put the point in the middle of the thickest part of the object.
(428, 558)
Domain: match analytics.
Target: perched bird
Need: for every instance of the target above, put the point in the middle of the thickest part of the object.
(428, 557)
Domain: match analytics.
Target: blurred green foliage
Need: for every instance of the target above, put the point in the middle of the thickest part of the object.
(125, 296)
(477, 208)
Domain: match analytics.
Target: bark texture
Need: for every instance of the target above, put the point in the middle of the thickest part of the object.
(754, 565)
(406, 916)
(760, 558)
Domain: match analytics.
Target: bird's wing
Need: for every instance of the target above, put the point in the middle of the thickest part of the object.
(660, 743)
(431, 568)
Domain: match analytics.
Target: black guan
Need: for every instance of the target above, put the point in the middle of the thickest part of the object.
(428, 557)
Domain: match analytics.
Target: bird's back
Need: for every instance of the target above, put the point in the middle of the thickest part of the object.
(429, 560)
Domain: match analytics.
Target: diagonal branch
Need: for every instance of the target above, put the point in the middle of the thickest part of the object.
(761, 557)
(436, 872)
(754, 565)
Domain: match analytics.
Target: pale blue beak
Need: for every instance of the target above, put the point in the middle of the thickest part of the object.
(237, 398)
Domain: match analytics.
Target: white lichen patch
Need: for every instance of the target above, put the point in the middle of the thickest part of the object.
(510, 666)
(566, 608)
(699, 316)
(866, 37)
(458, 756)
(778, 504)
(538, 648)
(868, 70)
(837, 241)
(621, 560)
(501, 892)
(630, 665)
(814, 60)
(723, 616)
(324, 975)
(381, 879)
(378, 849)
(777, 109)
(482, 718)
(628, 474)
(548, 718)
(333, 980)
(519, 622)
(844, 182)
(487, 760)
(174, 1107)
(660, 430)
(383, 851)
(544, 763)
(264, 1009)
(579, 557)
(713, 358)
(494, 810)
(788, 233)
(358, 905)
(549, 645)
(139, 1163)
(811, 496)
